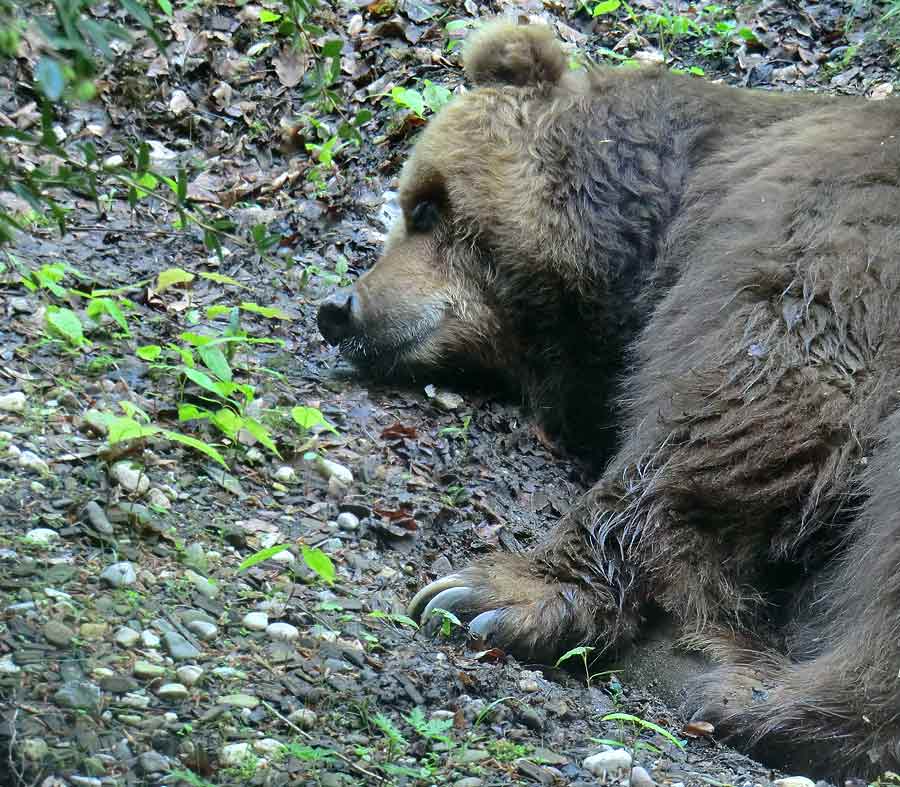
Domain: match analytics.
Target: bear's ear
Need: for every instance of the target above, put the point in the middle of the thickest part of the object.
(504, 53)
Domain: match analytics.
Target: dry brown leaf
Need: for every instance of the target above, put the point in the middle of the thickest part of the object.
(290, 65)
(179, 103)
(158, 67)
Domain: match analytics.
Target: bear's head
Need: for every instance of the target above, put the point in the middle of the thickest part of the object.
(513, 216)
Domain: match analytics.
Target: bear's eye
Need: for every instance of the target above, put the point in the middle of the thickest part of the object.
(424, 217)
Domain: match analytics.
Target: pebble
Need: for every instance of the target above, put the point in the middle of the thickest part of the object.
(85, 781)
(254, 456)
(640, 778)
(95, 421)
(285, 556)
(203, 629)
(204, 586)
(255, 621)
(13, 402)
(348, 522)
(267, 746)
(173, 691)
(127, 637)
(34, 749)
(468, 781)
(79, 694)
(147, 670)
(149, 639)
(304, 718)
(31, 461)
(91, 632)
(448, 401)
(119, 575)
(41, 536)
(156, 497)
(58, 633)
(329, 469)
(468, 756)
(529, 684)
(794, 781)
(285, 474)
(130, 477)
(608, 763)
(153, 762)
(282, 631)
(240, 700)
(234, 754)
(97, 518)
(8, 667)
(189, 674)
(179, 648)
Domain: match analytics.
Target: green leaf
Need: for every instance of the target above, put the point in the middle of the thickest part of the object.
(172, 276)
(197, 445)
(332, 48)
(265, 311)
(261, 433)
(267, 17)
(227, 421)
(319, 563)
(50, 77)
(263, 554)
(219, 388)
(126, 428)
(308, 417)
(649, 725)
(149, 352)
(581, 651)
(216, 311)
(403, 620)
(99, 306)
(606, 7)
(435, 96)
(190, 412)
(220, 278)
(215, 360)
(411, 99)
(65, 323)
(165, 6)
(145, 184)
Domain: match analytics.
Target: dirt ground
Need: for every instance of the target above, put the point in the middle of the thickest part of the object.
(133, 650)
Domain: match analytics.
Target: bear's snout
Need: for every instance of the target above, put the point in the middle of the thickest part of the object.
(337, 317)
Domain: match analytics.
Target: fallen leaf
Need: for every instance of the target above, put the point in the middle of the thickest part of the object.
(179, 103)
(290, 65)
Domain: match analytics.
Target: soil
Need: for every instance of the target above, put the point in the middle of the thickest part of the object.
(152, 672)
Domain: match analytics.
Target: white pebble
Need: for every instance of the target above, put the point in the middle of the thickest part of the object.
(156, 497)
(13, 402)
(189, 674)
(149, 639)
(347, 521)
(130, 478)
(172, 691)
(8, 667)
(31, 461)
(119, 574)
(608, 763)
(127, 637)
(203, 629)
(283, 631)
(640, 778)
(255, 621)
(330, 470)
(234, 754)
(267, 746)
(794, 781)
(41, 536)
(285, 474)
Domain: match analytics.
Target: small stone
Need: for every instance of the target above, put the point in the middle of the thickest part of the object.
(469, 756)
(304, 718)
(254, 456)
(529, 685)
(640, 778)
(240, 700)
(285, 556)
(130, 477)
(95, 421)
(468, 781)
(85, 781)
(91, 632)
(118, 684)
(255, 621)
(31, 461)
(282, 631)
(189, 674)
(34, 749)
(179, 648)
(127, 637)
(79, 694)
(149, 639)
(234, 755)
(329, 470)
(148, 670)
(608, 763)
(348, 522)
(267, 746)
(204, 586)
(448, 401)
(157, 498)
(113, 162)
(285, 474)
(203, 629)
(172, 691)
(153, 762)
(57, 633)
(119, 575)
(97, 518)
(8, 667)
(13, 402)
(794, 781)
(41, 536)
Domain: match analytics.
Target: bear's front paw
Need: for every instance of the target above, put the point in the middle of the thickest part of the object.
(511, 603)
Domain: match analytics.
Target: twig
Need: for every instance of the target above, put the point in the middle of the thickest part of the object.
(303, 733)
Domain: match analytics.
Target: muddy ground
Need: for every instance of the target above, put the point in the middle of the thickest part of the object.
(133, 650)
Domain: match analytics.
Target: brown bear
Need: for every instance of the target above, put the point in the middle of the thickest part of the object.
(697, 287)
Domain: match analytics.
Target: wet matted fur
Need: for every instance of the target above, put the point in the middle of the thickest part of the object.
(696, 288)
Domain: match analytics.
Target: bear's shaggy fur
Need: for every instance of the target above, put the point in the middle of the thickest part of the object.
(696, 287)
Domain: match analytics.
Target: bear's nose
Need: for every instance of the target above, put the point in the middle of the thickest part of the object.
(336, 317)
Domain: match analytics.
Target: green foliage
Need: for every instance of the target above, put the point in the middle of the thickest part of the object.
(308, 417)
(430, 729)
(319, 563)
(261, 555)
(644, 724)
(430, 99)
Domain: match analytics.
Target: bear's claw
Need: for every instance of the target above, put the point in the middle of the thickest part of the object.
(422, 600)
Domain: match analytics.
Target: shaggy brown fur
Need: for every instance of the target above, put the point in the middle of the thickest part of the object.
(697, 287)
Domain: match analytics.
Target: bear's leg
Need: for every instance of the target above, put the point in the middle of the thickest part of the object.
(838, 712)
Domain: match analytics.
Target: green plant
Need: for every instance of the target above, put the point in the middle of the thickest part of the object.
(461, 432)
(430, 99)
(430, 729)
(504, 750)
(637, 721)
(395, 740)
